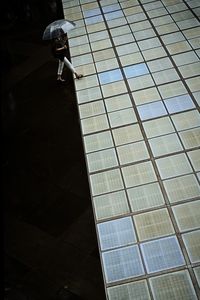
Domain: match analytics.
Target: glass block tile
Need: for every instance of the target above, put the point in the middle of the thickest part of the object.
(82, 60)
(192, 243)
(93, 20)
(187, 215)
(153, 224)
(159, 64)
(123, 39)
(118, 102)
(123, 30)
(182, 188)
(102, 44)
(174, 286)
(165, 144)
(91, 109)
(102, 160)
(157, 12)
(96, 36)
(185, 24)
(107, 65)
(144, 34)
(98, 141)
(134, 290)
(122, 117)
(140, 26)
(195, 42)
(186, 120)
(110, 8)
(162, 20)
(93, 124)
(178, 47)
(77, 41)
(129, 58)
(136, 70)
(114, 88)
(95, 27)
(127, 134)
(165, 76)
(79, 50)
(195, 159)
(132, 10)
(88, 95)
(179, 103)
(103, 54)
(132, 152)
(146, 96)
(173, 166)
(145, 197)
(110, 205)
(110, 76)
(167, 28)
(136, 17)
(190, 138)
(106, 182)
(153, 5)
(172, 38)
(88, 69)
(162, 254)
(91, 12)
(193, 84)
(140, 82)
(158, 127)
(154, 53)
(122, 264)
(151, 110)
(127, 49)
(138, 174)
(116, 22)
(176, 7)
(116, 233)
(185, 58)
(197, 274)
(149, 43)
(172, 89)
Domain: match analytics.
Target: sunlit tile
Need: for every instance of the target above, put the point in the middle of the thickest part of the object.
(122, 263)
(174, 286)
(173, 166)
(134, 290)
(179, 103)
(106, 182)
(145, 196)
(116, 233)
(95, 27)
(151, 110)
(132, 152)
(127, 134)
(146, 96)
(138, 174)
(118, 102)
(140, 82)
(158, 127)
(91, 109)
(186, 120)
(192, 243)
(94, 124)
(195, 159)
(100, 160)
(115, 88)
(182, 188)
(122, 117)
(190, 138)
(162, 254)
(98, 141)
(187, 215)
(132, 10)
(165, 144)
(110, 205)
(87, 69)
(153, 224)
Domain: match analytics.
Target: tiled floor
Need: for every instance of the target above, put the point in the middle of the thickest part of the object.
(139, 110)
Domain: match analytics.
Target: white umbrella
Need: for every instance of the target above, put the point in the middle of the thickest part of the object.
(57, 28)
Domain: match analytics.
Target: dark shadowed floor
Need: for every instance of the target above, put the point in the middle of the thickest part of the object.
(50, 241)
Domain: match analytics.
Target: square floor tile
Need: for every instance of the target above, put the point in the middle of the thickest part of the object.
(114, 88)
(102, 160)
(158, 127)
(132, 152)
(192, 243)
(146, 96)
(127, 134)
(165, 144)
(122, 117)
(190, 138)
(136, 70)
(118, 102)
(172, 89)
(179, 103)
(91, 109)
(195, 159)
(98, 141)
(151, 110)
(140, 82)
(186, 120)
(94, 124)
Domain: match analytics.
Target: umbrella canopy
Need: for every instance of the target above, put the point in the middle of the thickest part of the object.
(57, 28)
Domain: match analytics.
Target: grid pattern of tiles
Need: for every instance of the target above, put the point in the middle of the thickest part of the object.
(139, 114)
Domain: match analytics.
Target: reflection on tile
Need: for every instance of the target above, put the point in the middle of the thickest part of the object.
(93, 124)
(182, 188)
(176, 285)
(110, 76)
(195, 159)
(122, 263)
(98, 141)
(179, 103)
(173, 166)
(187, 215)
(190, 138)
(162, 254)
(136, 70)
(186, 120)
(151, 110)
(153, 224)
(116, 233)
(192, 243)
(138, 174)
(127, 134)
(158, 127)
(132, 152)
(134, 290)
(102, 160)
(106, 182)
(165, 144)
(118, 102)
(122, 117)
(110, 205)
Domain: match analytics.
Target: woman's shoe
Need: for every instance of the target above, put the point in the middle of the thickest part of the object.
(78, 76)
(60, 80)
